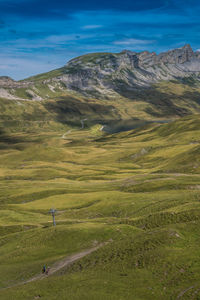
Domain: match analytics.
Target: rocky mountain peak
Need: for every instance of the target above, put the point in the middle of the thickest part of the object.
(187, 46)
(127, 52)
(99, 74)
(176, 56)
(8, 82)
(102, 72)
(6, 78)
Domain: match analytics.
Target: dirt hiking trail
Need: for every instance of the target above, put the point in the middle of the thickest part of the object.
(59, 265)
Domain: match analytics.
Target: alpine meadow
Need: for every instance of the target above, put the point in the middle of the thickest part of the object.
(109, 144)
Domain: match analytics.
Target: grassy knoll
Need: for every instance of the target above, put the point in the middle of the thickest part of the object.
(138, 189)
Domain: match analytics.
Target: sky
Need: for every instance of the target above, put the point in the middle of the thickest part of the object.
(37, 36)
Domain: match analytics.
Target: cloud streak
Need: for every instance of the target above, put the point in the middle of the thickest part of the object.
(133, 42)
(92, 27)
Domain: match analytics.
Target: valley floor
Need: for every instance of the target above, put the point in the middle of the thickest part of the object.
(139, 190)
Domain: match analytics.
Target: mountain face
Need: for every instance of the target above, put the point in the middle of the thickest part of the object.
(130, 70)
(138, 85)
(105, 74)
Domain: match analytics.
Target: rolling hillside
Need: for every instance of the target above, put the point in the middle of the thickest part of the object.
(137, 190)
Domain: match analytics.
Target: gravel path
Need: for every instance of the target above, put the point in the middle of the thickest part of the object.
(60, 264)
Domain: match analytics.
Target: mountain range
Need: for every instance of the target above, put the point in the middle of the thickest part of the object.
(110, 86)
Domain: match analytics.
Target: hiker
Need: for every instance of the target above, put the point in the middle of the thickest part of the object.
(44, 269)
(47, 270)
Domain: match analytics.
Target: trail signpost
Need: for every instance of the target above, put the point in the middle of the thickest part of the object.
(53, 213)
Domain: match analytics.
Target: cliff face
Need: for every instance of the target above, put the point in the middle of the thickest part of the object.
(108, 74)
(129, 69)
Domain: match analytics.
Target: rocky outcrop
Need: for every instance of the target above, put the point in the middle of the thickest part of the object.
(108, 74)
(9, 88)
(128, 70)
(176, 56)
(7, 82)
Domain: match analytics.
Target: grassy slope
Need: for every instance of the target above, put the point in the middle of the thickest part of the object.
(164, 100)
(139, 188)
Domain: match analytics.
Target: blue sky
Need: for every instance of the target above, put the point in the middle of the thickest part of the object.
(40, 35)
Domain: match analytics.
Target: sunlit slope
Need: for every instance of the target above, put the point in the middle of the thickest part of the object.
(137, 189)
(89, 166)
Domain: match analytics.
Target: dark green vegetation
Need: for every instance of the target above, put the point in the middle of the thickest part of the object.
(140, 189)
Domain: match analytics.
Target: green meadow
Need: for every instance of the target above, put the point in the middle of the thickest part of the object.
(138, 190)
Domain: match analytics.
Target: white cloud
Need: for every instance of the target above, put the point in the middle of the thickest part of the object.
(133, 42)
(92, 26)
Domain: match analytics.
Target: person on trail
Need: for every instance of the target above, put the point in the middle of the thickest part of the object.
(44, 269)
(47, 270)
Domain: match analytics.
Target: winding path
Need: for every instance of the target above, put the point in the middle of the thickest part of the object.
(66, 133)
(60, 264)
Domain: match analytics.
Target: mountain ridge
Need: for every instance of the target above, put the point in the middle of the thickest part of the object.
(102, 72)
(129, 70)
(110, 86)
